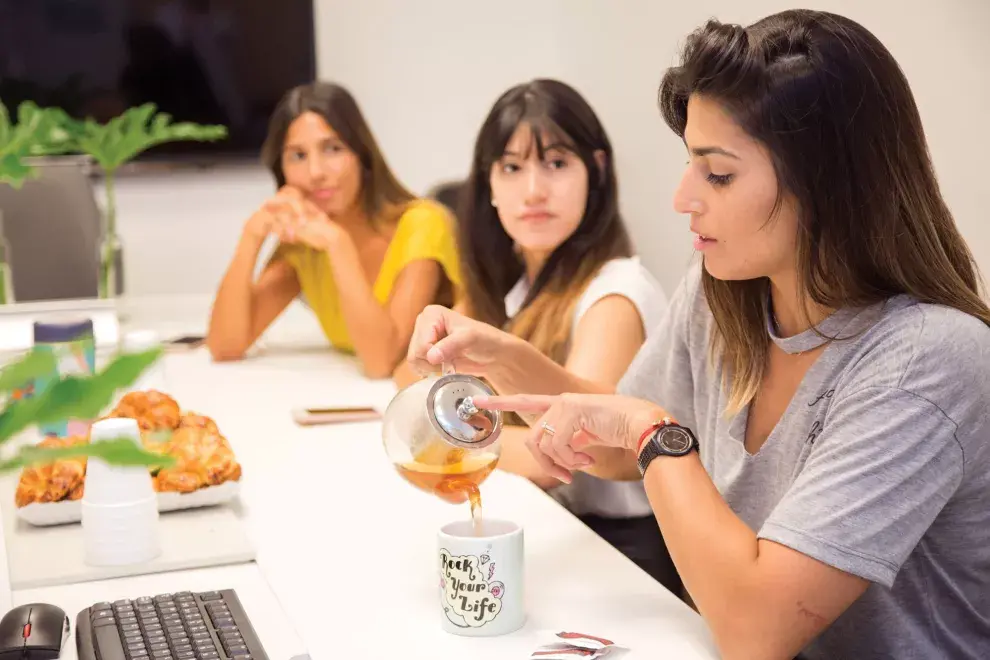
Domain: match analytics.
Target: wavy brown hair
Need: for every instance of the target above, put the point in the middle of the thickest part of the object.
(557, 116)
(382, 195)
(836, 113)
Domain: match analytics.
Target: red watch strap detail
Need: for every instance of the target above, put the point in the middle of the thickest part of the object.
(666, 421)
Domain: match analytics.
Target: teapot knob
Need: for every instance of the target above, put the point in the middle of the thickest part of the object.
(467, 409)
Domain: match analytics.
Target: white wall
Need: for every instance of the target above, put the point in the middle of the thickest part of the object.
(179, 229)
(426, 72)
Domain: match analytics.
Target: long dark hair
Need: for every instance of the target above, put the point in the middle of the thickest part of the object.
(552, 110)
(837, 116)
(383, 197)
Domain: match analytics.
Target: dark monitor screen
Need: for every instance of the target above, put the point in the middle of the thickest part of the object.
(208, 61)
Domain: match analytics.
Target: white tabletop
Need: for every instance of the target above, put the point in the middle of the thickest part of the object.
(348, 547)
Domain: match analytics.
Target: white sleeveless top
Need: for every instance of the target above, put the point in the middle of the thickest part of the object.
(627, 277)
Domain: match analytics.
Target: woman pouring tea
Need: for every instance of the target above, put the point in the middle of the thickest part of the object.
(810, 421)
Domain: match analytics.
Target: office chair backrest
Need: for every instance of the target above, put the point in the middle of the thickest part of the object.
(447, 193)
(52, 225)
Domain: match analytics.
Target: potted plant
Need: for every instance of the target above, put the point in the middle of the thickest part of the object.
(38, 131)
(42, 131)
(112, 145)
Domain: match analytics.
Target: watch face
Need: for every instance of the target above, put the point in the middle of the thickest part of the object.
(675, 439)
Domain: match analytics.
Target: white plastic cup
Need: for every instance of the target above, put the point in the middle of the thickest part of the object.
(119, 505)
(481, 578)
(119, 536)
(115, 484)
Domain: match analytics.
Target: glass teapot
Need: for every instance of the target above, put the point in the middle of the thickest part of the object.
(438, 440)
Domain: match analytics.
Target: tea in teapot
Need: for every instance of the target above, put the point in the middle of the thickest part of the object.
(439, 442)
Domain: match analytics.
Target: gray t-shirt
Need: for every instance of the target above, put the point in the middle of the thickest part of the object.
(880, 465)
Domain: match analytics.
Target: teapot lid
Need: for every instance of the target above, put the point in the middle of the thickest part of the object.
(451, 410)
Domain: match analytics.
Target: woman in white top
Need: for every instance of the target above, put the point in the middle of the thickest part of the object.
(547, 259)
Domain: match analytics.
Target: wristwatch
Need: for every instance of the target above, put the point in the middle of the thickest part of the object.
(665, 438)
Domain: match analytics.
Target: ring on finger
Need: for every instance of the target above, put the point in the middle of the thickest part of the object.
(549, 430)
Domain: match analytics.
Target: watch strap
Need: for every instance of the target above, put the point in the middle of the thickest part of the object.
(649, 452)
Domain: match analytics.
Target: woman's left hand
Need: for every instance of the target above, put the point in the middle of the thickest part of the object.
(569, 423)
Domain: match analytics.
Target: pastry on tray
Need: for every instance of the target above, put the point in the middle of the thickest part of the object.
(203, 456)
(56, 481)
(152, 410)
(195, 420)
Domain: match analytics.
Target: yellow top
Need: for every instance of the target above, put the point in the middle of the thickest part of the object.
(425, 231)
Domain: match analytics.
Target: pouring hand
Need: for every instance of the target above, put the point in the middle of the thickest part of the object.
(443, 336)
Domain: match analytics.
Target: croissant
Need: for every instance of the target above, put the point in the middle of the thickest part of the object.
(153, 410)
(53, 481)
(202, 459)
(195, 420)
(33, 485)
(168, 480)
(77, 492)
(66, 476)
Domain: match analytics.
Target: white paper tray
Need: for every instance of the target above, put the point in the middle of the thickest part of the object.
(70, 511)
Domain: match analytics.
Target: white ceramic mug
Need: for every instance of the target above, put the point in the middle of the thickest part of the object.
(481, 578)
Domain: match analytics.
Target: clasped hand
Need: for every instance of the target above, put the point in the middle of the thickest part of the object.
(294, 219)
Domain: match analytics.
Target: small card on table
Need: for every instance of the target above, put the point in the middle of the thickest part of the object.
(575, 646)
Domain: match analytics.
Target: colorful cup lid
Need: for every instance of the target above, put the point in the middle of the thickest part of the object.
(51, 333)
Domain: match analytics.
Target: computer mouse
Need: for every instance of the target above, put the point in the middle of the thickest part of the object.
(33, 632)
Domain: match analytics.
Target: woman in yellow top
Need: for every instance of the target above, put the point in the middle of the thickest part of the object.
(366, 255)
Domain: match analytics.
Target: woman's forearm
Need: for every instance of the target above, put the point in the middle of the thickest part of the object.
(369, 325)
(229, 334)
(521, 368)
(715, 552)
(612, 464)
(524, 369)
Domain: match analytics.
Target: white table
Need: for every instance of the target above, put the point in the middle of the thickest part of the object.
(348, 547)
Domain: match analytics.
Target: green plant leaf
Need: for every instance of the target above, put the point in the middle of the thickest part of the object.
(5, 127)
(14, 172)
(75, 397)
(56, 135)
(118, 451)
(134, 131)
(38, 132)
(17, 143)
(33, 365)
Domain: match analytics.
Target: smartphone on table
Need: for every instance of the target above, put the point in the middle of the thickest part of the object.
(334, 415)
(185, 342)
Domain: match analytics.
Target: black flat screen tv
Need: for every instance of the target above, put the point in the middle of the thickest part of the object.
(208, 61)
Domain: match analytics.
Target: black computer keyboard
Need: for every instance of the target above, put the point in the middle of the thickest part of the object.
(184, 626)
